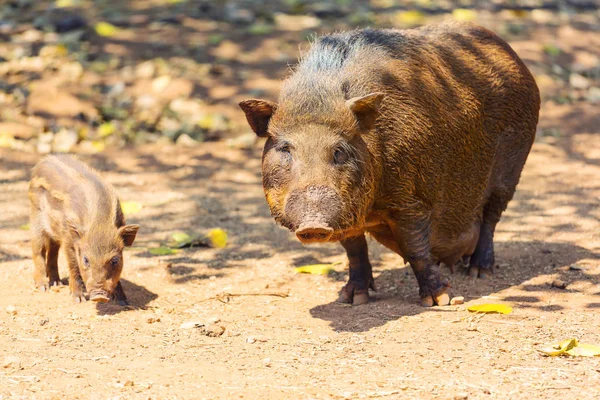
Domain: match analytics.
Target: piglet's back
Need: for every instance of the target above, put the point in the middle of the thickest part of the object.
(65, 188)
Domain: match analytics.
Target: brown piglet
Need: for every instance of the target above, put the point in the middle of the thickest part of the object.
(73, 208)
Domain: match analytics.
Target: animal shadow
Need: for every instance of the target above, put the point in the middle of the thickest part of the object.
(137, 296)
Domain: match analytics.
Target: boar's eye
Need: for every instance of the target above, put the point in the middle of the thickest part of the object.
(86, 262)
(114, 261)
(340, 156)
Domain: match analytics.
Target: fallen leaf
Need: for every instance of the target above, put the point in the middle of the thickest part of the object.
(464, 14)
(106, 129)
(106, 29)
(571, 347)
(218, 238)
(24, 227)
(162, 251)
(181, 237)
(491, 308)
(130, 207)
(317, 269)
(412, 17)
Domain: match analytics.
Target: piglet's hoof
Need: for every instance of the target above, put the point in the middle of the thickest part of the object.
(441, 298)
(78, 297)
(351, 295)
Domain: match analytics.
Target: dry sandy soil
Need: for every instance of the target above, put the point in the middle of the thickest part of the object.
(304, 345)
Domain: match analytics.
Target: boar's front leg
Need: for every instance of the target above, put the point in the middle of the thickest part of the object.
(361, 280)
(413, 242)
(76, 284)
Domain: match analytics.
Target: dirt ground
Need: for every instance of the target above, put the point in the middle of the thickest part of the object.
(304, 345)
(207, 323)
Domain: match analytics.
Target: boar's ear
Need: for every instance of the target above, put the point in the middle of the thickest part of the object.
(258, 114)
(128, 233)
(365, 108)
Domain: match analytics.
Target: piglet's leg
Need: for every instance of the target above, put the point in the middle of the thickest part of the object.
(119, 295)
(76, 284)
(52, 262)
(361, 280)
(39, 249)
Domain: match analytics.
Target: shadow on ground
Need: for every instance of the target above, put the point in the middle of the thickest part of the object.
(397, 294)
(138, 296)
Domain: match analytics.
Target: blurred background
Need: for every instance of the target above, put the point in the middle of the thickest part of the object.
(82, 75)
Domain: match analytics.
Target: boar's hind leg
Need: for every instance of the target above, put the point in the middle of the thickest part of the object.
(482, 261)
(413, 242)
(39, 246)
(119, 295)
(76, 284)
(361, 280)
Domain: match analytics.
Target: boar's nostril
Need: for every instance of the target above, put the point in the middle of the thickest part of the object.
(308, 234)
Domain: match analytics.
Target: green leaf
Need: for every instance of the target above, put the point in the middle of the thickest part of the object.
(162, 251)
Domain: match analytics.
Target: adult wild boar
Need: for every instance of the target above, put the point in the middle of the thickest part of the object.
(417, 137)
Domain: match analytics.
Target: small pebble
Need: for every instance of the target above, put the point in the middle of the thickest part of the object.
(461, 396)
(557, 283)
(128, 384)
(457, 300)
(12, 310)
(152, 320)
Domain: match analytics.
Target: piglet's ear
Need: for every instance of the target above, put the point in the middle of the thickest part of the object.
(74, 229)
(128, 233)
(258, 114)
(365, 109)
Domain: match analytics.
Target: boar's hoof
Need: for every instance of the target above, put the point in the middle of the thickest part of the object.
(441, 298)
(481, 272)
(351, 295)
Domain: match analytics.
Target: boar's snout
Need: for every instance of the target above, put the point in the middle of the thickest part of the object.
(314, 213)
(99, 295)
(314, 233)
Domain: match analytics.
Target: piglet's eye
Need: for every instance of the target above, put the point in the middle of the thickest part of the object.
(86, 261)
(114, 261)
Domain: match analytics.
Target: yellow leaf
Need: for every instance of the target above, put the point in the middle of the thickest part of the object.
(491, 308)
(98, 146)
(130, 207)
(162, 251)
(218, 238)
(571, 347)
(463, 14)
(412, 17)
(7, 140)
(584, 350)
(106, 29)
(24, 227)
(106, 129)
(317, 269)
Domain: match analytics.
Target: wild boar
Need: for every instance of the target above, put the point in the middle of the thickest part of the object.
(73, 208)
(417, 137)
